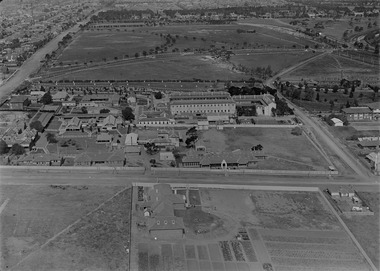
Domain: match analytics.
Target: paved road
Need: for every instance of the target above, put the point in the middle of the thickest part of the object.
(19, 176)
(33, 63)
(327, 138)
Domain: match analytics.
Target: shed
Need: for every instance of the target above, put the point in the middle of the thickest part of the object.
(337, 122)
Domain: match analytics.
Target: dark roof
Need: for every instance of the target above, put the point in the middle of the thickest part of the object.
(357, 110)
(18, 99)
(369, 143)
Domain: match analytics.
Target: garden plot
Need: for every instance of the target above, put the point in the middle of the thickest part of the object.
(263, 230)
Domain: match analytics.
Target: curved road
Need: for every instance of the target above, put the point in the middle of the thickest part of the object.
(33, 63)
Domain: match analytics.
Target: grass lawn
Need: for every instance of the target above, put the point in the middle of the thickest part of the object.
(366, 228)
(332, 67)
(277, 60)
(174, 68)
(36, 213)
(277, 142)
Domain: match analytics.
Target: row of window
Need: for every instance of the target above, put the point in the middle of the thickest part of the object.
(204, 111)
(200, 105)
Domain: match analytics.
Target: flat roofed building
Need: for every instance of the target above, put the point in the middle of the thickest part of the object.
(264, 103)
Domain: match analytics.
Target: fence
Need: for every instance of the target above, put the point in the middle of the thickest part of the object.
(248, 171)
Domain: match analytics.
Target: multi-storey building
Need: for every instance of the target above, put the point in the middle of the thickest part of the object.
(201, 103)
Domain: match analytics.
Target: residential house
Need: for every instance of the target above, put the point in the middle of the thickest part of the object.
(36, 95)
(110, 123)
(73, 124)
(358, 113)
(19, 102)
(12, 136)
(113, 159)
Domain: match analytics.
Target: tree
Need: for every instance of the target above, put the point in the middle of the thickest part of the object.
(317, 98)
(137, 55)
(158, 95)
(17, 149)
(104, 111)
(47, 98)
(37, 125)
(84, 110)
(335, 88)
(50, 137)
(296, 131)
(127, 113)
(3, 147)
(348, 104)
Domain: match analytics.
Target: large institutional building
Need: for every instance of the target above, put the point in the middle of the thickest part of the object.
(201, 103)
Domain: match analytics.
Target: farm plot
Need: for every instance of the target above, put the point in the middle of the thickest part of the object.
(238, 251)
(34, 214)
(226, 250)
(249, 252)
(302, 210)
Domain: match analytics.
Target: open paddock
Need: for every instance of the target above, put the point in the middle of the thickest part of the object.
(36, 213)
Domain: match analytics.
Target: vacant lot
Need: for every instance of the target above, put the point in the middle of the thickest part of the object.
(279, 144)
(36, 213)
(99, 241)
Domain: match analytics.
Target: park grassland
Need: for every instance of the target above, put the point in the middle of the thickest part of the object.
(280, 230)
(94, 239)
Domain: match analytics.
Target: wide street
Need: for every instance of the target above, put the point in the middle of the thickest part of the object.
(93, 176)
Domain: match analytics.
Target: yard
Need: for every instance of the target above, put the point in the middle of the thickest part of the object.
(293, 151)
(36, 213)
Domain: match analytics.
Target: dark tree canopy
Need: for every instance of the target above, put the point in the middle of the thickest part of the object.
(3, 147)
(17, 149)
(128, 113)
(37, 125)
(47, 99)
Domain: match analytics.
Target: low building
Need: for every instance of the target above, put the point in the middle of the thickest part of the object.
(19, 102)
(155, 121)
(113, 159)
(375, 107)
(42, 159)
(104, 138)
(357, 113)
(60, 96)
(369, 144)
(374, 160)
(337, 122)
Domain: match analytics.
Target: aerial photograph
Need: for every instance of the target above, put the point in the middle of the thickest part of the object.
(189, 135)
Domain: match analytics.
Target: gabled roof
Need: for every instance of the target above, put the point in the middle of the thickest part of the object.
(18, 99)
(166, 223)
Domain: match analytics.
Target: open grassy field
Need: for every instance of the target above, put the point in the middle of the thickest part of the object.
(99, 241)
(366, 228)
(279, 144)
(36, 213)
(264, 230)
(333, 67)
(174, 68)
(277, 60)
